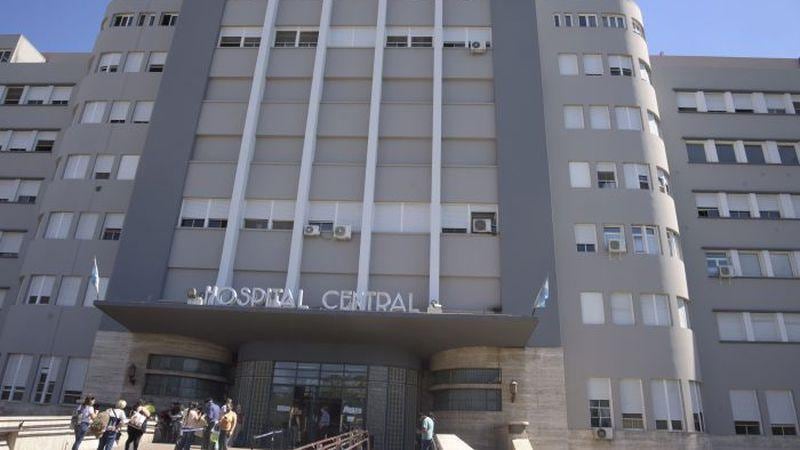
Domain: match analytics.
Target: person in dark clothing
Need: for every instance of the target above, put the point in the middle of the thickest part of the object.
(137, 425)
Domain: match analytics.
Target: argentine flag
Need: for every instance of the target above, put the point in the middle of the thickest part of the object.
(543, 295)
(94, 278)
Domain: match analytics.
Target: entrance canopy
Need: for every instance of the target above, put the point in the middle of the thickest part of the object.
(419, 333)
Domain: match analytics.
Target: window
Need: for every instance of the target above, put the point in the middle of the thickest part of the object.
(61, 95)
(593, 65)
(76, 167)
(45, 140)
(58, 226)
(696, 152)
(394, 42)
(230, 41)
(15, 378)
(93, 112)
(3, 294)
(147, 19)
(743, 103)
(746, 416)
(587, 20)
(731, 327)
(467, 400)
(619, 65)
(713, 262)
(185, 387)
(637, 176)
(38, 95)
(142, 112)
(781, 264)
(5, 55)
(93, 296)
(796, 104)
(44, 383)
(750, 264)
(127, 167)
(122, 20)
(637, 27)
(580, 175)
(269, 214)
(200, 213)
(653, 124)
(697, 407)
(782, 415)
(568, 64)
(102, 167)
(68, 291)
(613, 232)
(454, 218)
(586, 238)
(645, 72)
(40, 289)
(765, 327)
(667, 404)
(10, 243)
(606, 175)
(776, 104)
(663, 181)
(791, 323)
(109, 62)
(568, 20)
(309, 39)
(467, 376)
(683, 313)
(119, 112)
(655, 310)
(592, 309)
(422, 41)
(674, 244)
(631, 404)
(28, 191)
(169, 19)
(296, 38)
(707, 205)
(788, 155)
(573, 117)
(622, 309)
(629, 118)
(739, 206)
(646, 240)
(112, 227)
(13, 95)
(556, 20)
(133, 62)
(768, 207)
(687, 102)
(190, 365)
(87, 224)
(715, 102)
(599, 118)
(614, 21)
(20, 141)
(156, 62)
(754, 153)
(74, 379)
(599, 392)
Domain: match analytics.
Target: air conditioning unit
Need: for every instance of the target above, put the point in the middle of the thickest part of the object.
(342, 232)
(482, 226)
(726, 272)
(616, 246)
(605, 434)
(311, 230)
(477, 47)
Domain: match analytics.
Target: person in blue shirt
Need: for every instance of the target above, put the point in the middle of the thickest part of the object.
(211, 412)
(426, 431)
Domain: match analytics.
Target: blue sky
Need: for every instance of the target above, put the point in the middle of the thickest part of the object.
(767, 28)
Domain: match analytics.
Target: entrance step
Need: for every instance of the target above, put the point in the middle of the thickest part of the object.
(451, 442)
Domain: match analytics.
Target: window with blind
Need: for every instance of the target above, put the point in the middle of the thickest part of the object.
(631, 404)
(586, 238)
(592, 309)
(593, 65)
(156, 62)
(128, 164)
(698, 416)
(102, 167)
(202, 213)
(76, 167)
(622, 309)
(599, 118)
(637, 176)
(580, 175)
(715, 102)
(11, 243)
(15, 377)
(707, 205)
(74, 380)
(739, 206)
(655, 310)
(573, 117)
(620, 65)
(119, 112)
(133, 62)
(109, 62)
(667, 404)
(68, 291)
(112, 227)
(629, 118)
(782, 414)
(568, 64)
(768, 206)
(142, 112)
(58, 225)
(746, 415)
(93, 112)
(687, 101)
(40, 289)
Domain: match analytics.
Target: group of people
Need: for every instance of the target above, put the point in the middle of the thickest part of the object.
(213, 425)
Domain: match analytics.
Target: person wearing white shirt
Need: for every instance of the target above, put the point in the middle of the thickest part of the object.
(116, 419)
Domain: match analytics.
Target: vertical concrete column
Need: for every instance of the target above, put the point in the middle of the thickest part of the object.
(309, 150)
(365, 248)
(237, 204)
(436, 155)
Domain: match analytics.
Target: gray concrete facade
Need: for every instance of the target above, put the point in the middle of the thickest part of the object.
(437, 152)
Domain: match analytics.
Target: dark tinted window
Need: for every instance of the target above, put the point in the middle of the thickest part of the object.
(467, 376)
(467, 400)
(755, 154)
(788, 155)
(697, 153)
(725, 153)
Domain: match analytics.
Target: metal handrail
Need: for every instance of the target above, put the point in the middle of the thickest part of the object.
(346, 441)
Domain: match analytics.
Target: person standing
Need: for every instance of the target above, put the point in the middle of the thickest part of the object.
(227, 423)
(191, 422)
(116, 418)
(324, 422)
(84, 415)
(238, 428)
(137, 425)
(211, 413)
(427, 432)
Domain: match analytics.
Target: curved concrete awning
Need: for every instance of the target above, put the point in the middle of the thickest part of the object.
(418, 333)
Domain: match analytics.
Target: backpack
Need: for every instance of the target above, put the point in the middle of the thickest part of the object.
(98, 425)
(75, 420)
(137, 420)
(226, 423)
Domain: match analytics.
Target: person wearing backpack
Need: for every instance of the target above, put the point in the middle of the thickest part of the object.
(137, 425)
(227, 423)
(116, 418)
(81, 419)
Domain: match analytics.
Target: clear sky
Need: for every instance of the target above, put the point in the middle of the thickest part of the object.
(769, 28)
